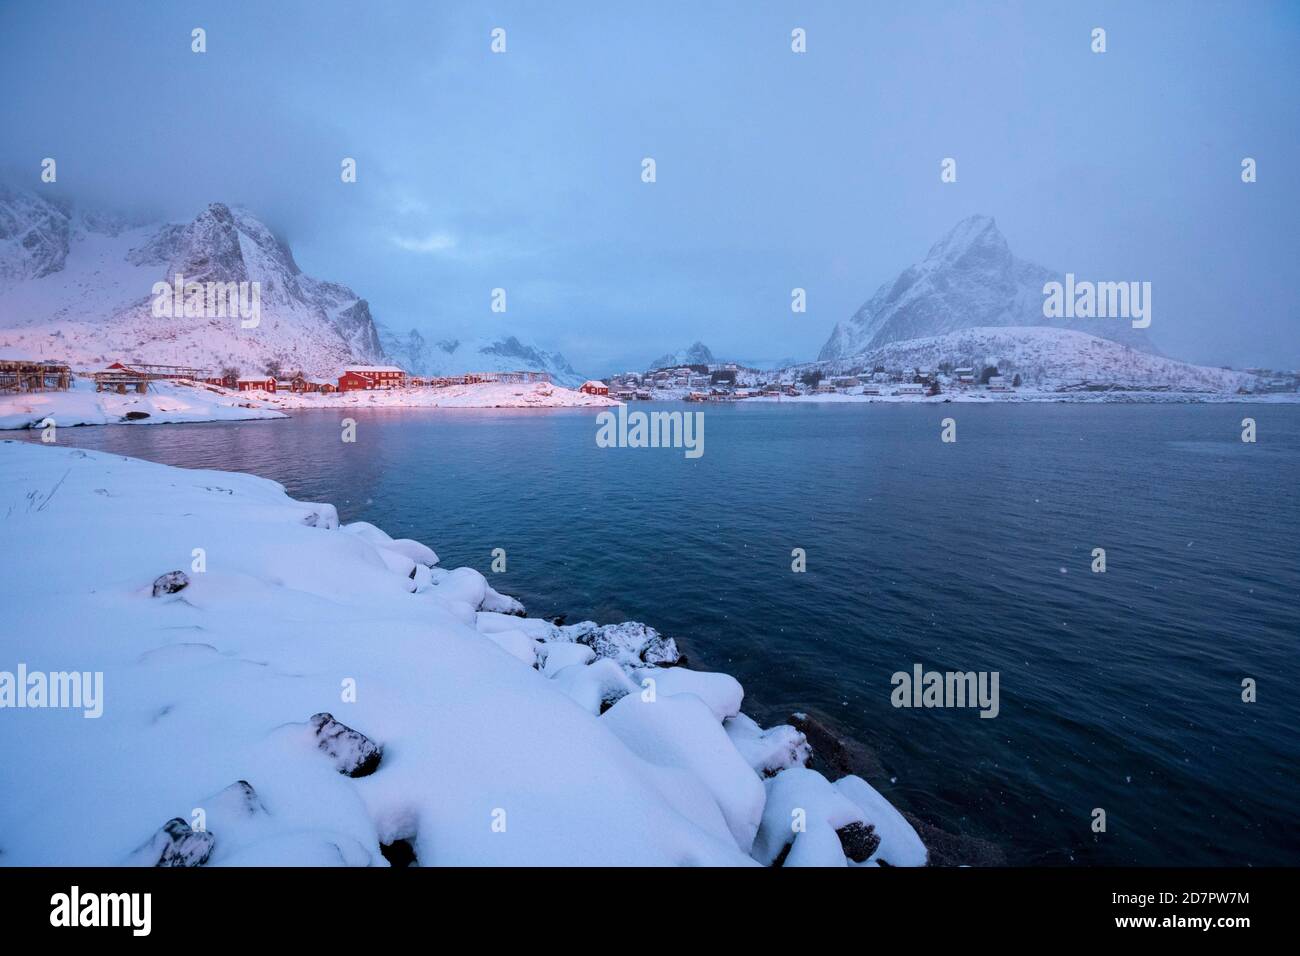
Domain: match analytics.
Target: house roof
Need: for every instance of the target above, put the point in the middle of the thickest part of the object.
(594, 384)
(372, 369)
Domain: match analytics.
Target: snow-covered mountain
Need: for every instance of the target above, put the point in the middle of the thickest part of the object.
(419, 356)
(79, 286)
(1047, 358)
(697, 354)
(968, 280)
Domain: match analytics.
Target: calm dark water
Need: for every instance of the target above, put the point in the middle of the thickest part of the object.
(1119, 690)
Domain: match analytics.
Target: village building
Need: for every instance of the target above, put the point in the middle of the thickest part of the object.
(255, 384)
(594, 388)
(358, 378)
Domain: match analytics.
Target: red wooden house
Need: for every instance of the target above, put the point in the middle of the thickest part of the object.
(356, 378)
(594, 388)
(254, 384)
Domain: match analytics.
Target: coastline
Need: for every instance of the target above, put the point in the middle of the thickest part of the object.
(325, 693)
(172, 403)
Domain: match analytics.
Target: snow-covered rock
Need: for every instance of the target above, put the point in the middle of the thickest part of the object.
(555, 657)
(808, 821)
(630, 644)
(681, 732)
(354, 754)
(721, 692)
(768, 751)
(595, 686)
(899, 843)
(175, 844)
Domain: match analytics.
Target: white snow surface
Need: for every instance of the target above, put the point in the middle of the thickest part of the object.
(164, 403)
(480, 395)
(168, 402)
(217, 683)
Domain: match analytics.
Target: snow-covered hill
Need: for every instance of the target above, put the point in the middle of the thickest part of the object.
(968, 280)
(1047, 358)
(419, 356)
(79, 287)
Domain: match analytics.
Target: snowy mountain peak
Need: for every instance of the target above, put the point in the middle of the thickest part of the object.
(969, 279)
(974, 241)
(696, 354)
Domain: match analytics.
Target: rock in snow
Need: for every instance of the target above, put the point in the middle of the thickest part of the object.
(175, 844)
(507, 740)
(170, 583)
(354, 754)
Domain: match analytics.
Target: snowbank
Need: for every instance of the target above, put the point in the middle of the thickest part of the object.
(481, 395)
(303, 693)
(164, 403)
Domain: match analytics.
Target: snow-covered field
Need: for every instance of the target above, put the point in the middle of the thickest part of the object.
(481, 395)
(280, 689)
(164, 403)
(170, 402)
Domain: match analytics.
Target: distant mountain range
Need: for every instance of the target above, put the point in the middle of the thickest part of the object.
(968, 280)
(697, 354)
(450, 356)
(77, 285)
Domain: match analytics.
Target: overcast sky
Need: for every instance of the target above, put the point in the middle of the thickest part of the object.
(775, 170)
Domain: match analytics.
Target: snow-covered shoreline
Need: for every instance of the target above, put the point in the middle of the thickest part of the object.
(171, 403)
(163, 404)
(309, 691)
(974, 397)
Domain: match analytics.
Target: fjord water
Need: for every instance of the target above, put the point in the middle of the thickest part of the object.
(1119, 691)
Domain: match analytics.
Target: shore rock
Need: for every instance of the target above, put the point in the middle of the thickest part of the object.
(176, 844)
(353, 753)
(170, 583)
